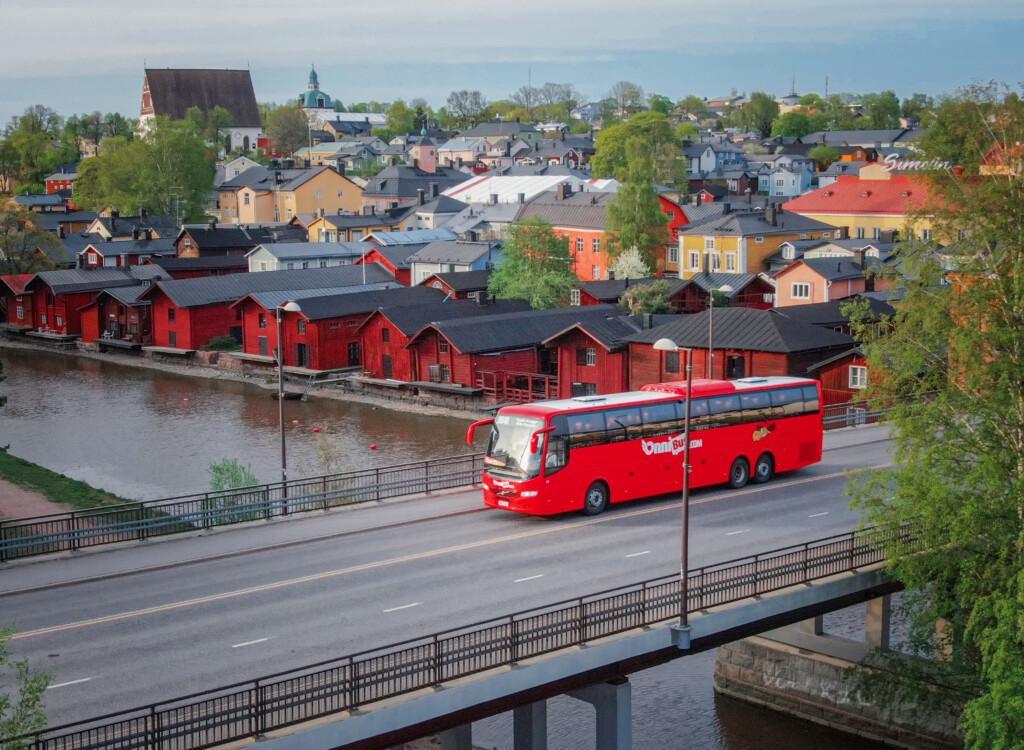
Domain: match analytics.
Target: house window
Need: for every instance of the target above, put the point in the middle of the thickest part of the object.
(43, 320)
(574, 297)
(671, 361)
(759, 239)
(262, 320)
(245, 199)
(579, 244)
(803, 235)
(170, 314)
(305, 264)
(442, 347)
(800, 290)
(595, 245)
(584, 389)
(318, 195)
(302, 326)
(860, 233)
(858, 377)
(445, 373)
(385, 334)
(595, 272)
(323, 264)
(730, 261)
(20, 310)
(709, 243)
(876, 233)
(586, 356)
(290, 266)
(58, 321)
(716, 262)
(694, 260)
(926, 235)
(673, 254)
(779, 183)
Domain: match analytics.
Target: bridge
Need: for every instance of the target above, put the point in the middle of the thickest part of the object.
(148, 623)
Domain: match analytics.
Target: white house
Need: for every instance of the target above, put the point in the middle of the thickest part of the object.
(293, 256)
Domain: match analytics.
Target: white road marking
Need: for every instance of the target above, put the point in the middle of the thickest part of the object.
(639, 554)
(251, 643)
(404, 606)
(71, 682)
(818, 515)
(734, 533)
(528, 578)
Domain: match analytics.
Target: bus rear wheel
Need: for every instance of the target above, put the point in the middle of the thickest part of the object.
(764, 469)
(596, 499)
(739, 473)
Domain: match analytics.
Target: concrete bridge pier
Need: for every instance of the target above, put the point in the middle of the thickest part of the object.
(530, 726)
(613, 703)
(457, 738)
(878, 622)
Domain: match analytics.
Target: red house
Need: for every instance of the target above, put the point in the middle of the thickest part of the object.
(124, 253)
(118, 318)
(504, 353)
(843, 376)
(394, 260)
(459, 284)
(610, 292)
(386, 332)
(324, 334)
(15, 302)
(194, 268)
(733, 289)
(187, 313)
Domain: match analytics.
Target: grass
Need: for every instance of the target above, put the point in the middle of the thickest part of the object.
(56, 487)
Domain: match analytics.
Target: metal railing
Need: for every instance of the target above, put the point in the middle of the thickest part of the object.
(851, 414)
(60, 532)
(247, 709)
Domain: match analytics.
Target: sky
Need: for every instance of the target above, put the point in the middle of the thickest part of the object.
(85, 55)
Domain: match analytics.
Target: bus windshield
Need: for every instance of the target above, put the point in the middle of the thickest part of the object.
(509, 446)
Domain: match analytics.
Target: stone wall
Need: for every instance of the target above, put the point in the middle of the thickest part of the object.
(814, 687)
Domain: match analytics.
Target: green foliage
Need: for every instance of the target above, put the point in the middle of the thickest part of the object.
(169, 171)
(628, 98)
(635, 218)
(466, 108)
(824, 156)
(794, 123)
(21, 701)
(686, 131)
(920, 106)
(579, 128)
(882, 110)
(19, 239)
(962, 132)
(231, 474)
(34, 146)
(812, 101)
(223, 344)
(653, 130)
(537, 268)
(550, 102)
(56, 487)
(288, 129)
(693, 105)
(647, 299)
(631, 265)
(210, 125)
(758, 113)
(401, 119)
(660, 103)
(952, 362)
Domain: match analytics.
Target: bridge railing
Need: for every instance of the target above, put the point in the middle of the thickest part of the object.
(74, 530)
(247, 709)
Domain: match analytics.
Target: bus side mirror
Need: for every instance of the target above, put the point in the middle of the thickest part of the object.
(472, 429)
(534, 442)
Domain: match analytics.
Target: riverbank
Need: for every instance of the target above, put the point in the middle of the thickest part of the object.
(212, 372)
(27, 489)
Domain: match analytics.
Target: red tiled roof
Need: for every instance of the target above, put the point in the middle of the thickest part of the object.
(16, 282)
(898, 196)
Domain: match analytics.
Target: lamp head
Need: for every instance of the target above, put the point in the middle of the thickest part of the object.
(666, 345)
(291, 307)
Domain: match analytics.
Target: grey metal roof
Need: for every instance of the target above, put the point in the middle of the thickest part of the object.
(830, 314)
(299, 250)
(84, 279)
(53, 219)
(613, 289)
(716, 280)
(133, 247)
(516, 330)
(413, 237)
(456, 251)
(464, 281)
(747, 223)
(306, 297)
(491, 129)
(611, 333)
(834, 269)
(263, 178)
(402, 181)
(586, 210)
(44, 199)
(205, 263)
(365, 302)
(410, 319)
(127, 295)
(746, 329)
(210, 290)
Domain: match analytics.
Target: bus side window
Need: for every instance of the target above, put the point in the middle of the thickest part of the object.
(586, 429)
(623, 424)
(558, 446)
(699, 417)
(659, 419)
(787, 402)
(725, 411)
(811, 404)
(756, 406)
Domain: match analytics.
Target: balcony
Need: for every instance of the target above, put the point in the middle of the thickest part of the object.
(502, 386)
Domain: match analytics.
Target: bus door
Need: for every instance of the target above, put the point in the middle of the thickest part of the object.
(763, 435)
(787, 403)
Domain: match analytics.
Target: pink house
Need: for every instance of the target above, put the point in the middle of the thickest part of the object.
(459, 151)
(823, 280)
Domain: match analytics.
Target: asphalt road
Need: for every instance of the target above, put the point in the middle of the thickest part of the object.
(143, 623)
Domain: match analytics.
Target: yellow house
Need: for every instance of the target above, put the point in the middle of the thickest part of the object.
(353, 227)
(742, 241)
(882, 199)
(261, 195)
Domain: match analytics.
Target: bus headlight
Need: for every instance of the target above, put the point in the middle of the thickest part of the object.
(528, 493)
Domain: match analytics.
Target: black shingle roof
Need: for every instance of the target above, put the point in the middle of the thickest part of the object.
(465, 281)
(517, 330)
(613, 289)
(174, 90)
(612, 333)
(210, 290)
(71, 280)
(745, 328)
(337, 305)
(830, 314)
(411, 319)
(205, 263)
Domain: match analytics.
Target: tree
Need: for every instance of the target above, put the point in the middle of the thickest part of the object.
(759, 112)
(647, 299)
(693, 105)
(918, 106)
(36, 137)
(956, 137)
(882, 110)
(169, 171)
(635, 219)
(538, 266)
(210, 125)
(653, 129)
(21, 701)
(794, 123)
(20, 237)
(231, 474)
(631, 265)
(401, 119)
(660, 103)
(812, 101)
(824, 156)
(628, 97)
(952, 364)
(288, 129)
(686, 131)
(466, 107)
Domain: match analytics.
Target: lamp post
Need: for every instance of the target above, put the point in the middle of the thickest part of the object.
(668, 345)
(279, 310)
(711, 320)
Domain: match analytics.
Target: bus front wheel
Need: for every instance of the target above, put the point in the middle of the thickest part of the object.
(739, 473)
(764, 469)
(596, 499)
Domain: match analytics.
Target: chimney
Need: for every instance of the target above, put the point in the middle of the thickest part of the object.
(521, 197)
(421, 196)
(341, 168)
(60, 231)
(726, 208)
(278, 177)
(566, 189)
(769, 214)
(844, 233)
(211, 224)
(142, 213)
(433, 190)
(858, 257)
(321, 212)
(494, 199)
(647, 321)
(415, 163)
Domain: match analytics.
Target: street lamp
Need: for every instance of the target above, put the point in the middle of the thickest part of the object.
(668, 345)
(711, 319)
(279, 310)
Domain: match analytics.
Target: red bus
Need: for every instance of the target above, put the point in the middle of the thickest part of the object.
(586, 452)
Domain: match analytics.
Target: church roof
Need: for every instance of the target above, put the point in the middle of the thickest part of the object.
(174, 90)
(313, 97)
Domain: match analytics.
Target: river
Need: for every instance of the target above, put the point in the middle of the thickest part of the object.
(148, 434)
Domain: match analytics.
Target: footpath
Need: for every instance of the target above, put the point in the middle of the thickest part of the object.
(18, 502)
